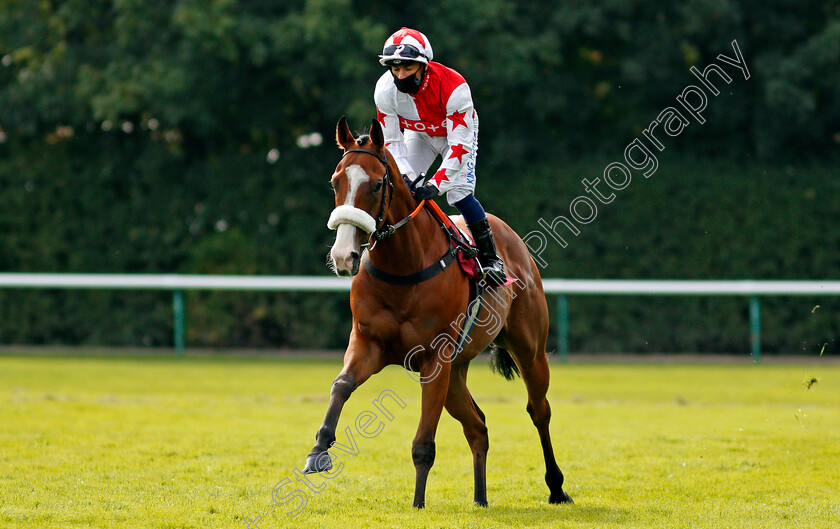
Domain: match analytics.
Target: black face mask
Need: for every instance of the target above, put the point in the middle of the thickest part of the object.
(411, 84)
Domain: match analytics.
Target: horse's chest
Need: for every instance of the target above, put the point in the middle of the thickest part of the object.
(380, 323)
(400, 325)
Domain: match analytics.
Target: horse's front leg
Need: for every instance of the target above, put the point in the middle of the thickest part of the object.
(435, 381)
(362, 359)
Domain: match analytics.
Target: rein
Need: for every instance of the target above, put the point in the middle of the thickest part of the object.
(382, 231)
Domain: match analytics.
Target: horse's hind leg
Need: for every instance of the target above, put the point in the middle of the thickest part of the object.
(526, 339)
(460, 404)
(536, 381)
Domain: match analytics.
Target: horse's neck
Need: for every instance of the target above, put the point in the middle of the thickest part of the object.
(412, 247)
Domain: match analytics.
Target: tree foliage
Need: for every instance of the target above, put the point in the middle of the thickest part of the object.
(188, 136)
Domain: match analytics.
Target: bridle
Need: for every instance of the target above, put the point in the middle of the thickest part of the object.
(381, 229)
(377, 234)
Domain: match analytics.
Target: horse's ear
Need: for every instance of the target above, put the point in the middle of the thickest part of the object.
(376, 135)
(343, 136)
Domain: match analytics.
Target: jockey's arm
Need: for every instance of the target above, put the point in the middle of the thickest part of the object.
(387, 116)
(461, 133)
(400, 153)
(394, 141)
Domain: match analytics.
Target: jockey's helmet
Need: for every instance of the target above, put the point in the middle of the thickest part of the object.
(405, 46)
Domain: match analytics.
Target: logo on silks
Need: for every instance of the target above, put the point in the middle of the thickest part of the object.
(420, 126)
(471, 171)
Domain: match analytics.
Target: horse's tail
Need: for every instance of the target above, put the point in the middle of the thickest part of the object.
(502, 363)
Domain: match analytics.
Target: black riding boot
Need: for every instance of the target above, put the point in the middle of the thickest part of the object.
(492, 267)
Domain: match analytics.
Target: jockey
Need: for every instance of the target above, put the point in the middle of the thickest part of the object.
(426, 110)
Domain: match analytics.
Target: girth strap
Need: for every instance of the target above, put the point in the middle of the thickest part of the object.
(417, 277)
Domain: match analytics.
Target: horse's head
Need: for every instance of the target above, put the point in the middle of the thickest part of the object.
(361, 182)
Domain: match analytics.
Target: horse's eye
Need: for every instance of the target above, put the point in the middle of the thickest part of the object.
(377, 186)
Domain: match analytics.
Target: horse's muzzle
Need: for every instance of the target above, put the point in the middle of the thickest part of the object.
(350, 267)
(345, 253)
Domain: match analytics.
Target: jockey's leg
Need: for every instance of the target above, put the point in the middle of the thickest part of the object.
(420, 152)
(476, 220)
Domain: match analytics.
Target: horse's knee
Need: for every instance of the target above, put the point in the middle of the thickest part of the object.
(481, 430)
(343, 385)
(423, 453)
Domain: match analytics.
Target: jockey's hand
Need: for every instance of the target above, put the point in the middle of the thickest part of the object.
(425, 192)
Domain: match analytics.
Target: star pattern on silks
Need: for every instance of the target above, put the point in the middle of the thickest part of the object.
(457, 118)
(458, 151)
(440, 176)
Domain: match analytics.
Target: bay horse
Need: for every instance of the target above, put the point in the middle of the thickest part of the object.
(411, 322)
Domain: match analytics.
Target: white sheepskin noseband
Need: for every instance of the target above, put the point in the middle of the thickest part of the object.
(351, 215)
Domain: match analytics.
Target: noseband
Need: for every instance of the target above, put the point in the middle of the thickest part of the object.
(383, 231)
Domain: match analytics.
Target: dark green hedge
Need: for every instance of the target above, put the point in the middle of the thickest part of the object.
(159, 137)
(694, 218)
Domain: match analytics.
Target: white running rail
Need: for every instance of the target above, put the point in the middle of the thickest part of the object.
(178, 283)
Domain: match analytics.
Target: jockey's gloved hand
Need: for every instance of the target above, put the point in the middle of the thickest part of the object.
(425, 192)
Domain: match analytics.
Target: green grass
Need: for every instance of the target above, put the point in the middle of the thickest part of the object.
(133, 442)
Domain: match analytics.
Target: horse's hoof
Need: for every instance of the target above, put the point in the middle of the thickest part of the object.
(320, 462)
(560, 497)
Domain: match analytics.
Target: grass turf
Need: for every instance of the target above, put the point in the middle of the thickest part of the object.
(201, 442)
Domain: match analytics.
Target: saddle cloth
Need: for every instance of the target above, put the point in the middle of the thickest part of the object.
(462, 243)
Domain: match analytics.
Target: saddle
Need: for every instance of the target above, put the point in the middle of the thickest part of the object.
(461, 249)
(460, 242)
